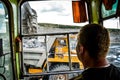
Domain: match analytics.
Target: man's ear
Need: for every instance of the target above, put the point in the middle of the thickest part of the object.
(80, 54)
(81, 48)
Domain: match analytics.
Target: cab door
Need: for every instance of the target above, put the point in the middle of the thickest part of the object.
(5, 43)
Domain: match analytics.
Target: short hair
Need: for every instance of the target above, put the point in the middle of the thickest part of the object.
(95, 39)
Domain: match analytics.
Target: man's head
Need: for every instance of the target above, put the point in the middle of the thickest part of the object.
(94, 40)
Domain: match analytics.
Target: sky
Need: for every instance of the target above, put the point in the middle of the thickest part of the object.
(60, 12)
(2, 19)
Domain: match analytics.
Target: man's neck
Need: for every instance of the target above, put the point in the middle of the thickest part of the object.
(100, 63)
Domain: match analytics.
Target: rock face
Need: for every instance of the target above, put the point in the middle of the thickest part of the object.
(28, 19)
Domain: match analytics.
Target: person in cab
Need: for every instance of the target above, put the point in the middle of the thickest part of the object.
(92, 49)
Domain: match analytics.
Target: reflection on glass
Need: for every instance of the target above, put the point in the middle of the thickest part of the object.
(2, 19)
(5, 58)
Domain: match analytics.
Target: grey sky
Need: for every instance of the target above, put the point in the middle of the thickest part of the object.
(56, 11)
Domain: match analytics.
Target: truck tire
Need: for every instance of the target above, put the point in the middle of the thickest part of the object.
(60, 67)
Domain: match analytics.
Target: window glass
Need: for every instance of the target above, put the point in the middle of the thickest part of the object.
(48, 43)
(113, 26)
(5, 52)
(113, 23)
(114, 50)
(48, 17)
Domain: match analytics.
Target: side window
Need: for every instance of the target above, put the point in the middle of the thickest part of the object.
(47, 45)
(113, 25)
(114, 49)
(5, 50)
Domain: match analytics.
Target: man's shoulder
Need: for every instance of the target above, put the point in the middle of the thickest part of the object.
(114, 72)
(114, 68)
(111, 72)
(101, 73)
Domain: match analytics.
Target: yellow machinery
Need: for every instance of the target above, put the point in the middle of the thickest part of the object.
(61, 55)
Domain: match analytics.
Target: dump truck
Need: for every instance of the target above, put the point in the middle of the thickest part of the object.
(55, 53)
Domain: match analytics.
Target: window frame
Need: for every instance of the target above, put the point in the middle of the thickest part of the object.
(23, 73)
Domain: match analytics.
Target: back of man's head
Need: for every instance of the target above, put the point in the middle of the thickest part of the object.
(95, 39)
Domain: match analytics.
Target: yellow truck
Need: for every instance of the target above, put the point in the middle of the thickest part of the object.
(59, 54)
